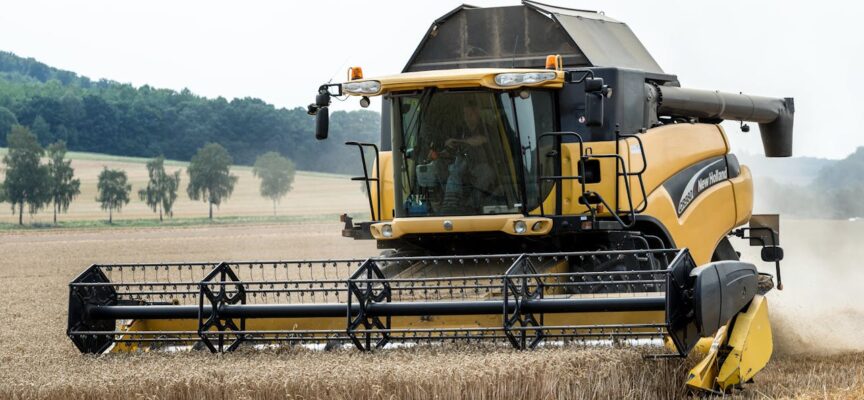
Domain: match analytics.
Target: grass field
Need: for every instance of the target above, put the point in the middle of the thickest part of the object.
(314, 193)
(817, 322)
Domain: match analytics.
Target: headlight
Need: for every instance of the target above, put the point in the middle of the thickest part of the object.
(513, 79)
(387, 231)
(537, 226)
(364, 87)
(520, 227)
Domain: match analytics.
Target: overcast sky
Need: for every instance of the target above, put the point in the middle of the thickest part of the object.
(281, 51)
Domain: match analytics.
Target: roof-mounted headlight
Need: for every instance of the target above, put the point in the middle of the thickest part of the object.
(528, 78)
(363, 87)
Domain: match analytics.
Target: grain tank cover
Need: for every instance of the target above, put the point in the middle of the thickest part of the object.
(522, 36)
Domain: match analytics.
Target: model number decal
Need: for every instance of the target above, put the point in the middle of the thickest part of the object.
(688, 184)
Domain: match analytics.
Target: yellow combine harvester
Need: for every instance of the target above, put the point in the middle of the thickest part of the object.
(539, 181)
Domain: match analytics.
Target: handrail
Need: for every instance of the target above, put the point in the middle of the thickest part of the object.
(559, 178)
(638, 175)
(622, 172)
(367, 179)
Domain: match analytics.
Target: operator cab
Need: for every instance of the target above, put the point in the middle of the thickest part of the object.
(470, 152)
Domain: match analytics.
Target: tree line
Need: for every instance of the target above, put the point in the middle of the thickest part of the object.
(108, 117)
(836, 191)
(30, 184)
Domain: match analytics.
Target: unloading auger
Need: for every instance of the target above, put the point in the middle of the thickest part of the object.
(539, 181)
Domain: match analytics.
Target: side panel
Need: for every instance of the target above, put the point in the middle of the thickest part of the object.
(689, 192)
(572, 190)
(703, 224)
(743, 187)
(670, 149)
(548, 203)
(673, 152)
(385, 160)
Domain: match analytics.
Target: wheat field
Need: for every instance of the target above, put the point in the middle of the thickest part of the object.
(817, 322)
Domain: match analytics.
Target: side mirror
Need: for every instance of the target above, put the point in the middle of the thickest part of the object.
(320, 109)
(322, 123)
(595, 99)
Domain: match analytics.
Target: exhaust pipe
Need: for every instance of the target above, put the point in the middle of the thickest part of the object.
(775, 116)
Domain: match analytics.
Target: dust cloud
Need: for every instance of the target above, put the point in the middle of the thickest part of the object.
(820, 309)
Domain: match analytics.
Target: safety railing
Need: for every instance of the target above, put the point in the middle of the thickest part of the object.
(587, 197)
(367, 179)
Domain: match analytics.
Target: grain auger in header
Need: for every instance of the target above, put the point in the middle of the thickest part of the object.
(539, 181)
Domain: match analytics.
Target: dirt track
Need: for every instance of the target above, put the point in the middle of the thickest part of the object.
(38, 361)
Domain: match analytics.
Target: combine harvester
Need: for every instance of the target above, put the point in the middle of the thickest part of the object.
(540, 181)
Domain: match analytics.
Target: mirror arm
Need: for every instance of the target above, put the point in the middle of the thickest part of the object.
(320, 108)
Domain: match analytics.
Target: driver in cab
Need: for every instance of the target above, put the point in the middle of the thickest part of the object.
(474, 133)
(470, 176)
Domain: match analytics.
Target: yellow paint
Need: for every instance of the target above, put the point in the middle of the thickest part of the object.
(548, 203)
(703, 346)
(672, 148)
(385, 160)
(572, 189)
(748, 348)
(742, 185)
(716, 211)
(750, 343)
(708, 219)
(457, 78)
(668, 150)
(704, 374)
(340, 323)
(460, 224)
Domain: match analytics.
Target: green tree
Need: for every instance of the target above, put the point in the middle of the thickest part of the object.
(63, 187)
(41, 129)
(113, 191)
(172, 184)
(277, 175)
(104, 116)
(26, 181)
(161, 190)
(210, 176)
(7, 119)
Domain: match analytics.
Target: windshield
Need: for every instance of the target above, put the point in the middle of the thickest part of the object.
(462, 153)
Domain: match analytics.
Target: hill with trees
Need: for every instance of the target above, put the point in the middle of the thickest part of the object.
(109, 117)
(835, 190)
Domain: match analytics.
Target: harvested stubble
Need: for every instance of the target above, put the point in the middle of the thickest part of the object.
(38, 362)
